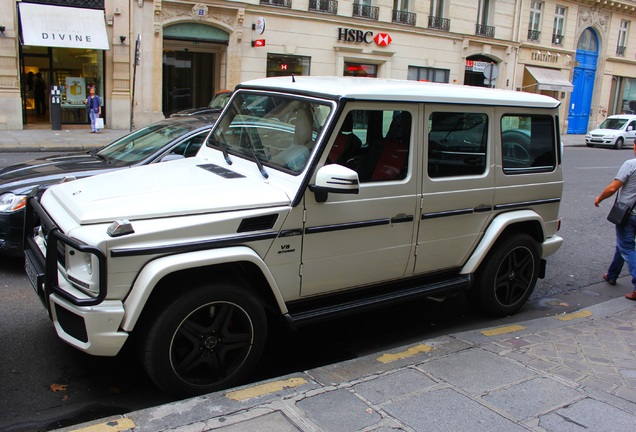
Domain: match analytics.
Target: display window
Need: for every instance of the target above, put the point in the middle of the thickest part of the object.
(74, 70)
(285, 65)
(360, 70)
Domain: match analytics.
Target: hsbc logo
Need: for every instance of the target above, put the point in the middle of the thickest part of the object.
(359, 36)
(382, 39)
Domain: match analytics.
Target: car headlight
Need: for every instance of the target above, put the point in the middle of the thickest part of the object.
(10, 202)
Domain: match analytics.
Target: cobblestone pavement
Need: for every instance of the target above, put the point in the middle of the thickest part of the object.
(570, 372)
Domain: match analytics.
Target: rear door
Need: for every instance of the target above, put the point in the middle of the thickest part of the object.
(457, 185)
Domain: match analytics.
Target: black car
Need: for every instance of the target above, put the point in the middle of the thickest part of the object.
(162, 141)
(213, 109)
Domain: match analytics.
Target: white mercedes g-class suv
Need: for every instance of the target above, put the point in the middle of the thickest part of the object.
(313, 197)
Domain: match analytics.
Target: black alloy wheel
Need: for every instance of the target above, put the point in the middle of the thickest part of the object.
(508, 275)
(208, 339)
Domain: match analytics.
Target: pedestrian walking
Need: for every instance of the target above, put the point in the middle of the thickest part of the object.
(94, 106)
(625, 251)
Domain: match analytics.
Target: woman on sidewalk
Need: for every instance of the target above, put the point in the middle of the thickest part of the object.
(94, 106)
(625, 184)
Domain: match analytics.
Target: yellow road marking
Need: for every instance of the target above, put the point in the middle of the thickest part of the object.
(110, 426)
(421, 348)
(263, 389)
(503, 330)
(574, 315)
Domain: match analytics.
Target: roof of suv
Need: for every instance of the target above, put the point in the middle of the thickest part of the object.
(400, 91)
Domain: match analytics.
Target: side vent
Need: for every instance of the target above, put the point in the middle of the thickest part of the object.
(258, 223)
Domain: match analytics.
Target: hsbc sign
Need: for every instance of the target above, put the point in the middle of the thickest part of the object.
(359, 36)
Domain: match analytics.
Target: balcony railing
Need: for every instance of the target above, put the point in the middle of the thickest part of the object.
(534, 35)
(620, 51)
(557, 39)
(438, 23)
(484, 30)
(404, 17)
(364, 11)
(279, 3)
(326, 6)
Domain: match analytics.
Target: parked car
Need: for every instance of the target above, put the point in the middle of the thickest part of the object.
(214, 108)
(615, 131)
(313, 198)
(161, 141)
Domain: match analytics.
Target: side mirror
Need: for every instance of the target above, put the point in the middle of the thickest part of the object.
(630, 128)
(336, 179)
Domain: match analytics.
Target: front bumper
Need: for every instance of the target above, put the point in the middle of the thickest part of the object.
(90, 324)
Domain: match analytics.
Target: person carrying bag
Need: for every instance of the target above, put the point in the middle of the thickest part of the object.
(94, 107)
(623, 216)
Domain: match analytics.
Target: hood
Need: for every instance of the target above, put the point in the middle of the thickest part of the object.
(605, 131)
(21, 178)
(177, 188)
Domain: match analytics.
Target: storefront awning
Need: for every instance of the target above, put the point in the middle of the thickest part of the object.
(550, 79)
(64, 27)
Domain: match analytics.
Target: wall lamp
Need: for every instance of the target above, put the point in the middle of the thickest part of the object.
(122, 39)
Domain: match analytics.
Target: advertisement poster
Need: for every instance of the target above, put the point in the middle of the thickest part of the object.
(75, 90)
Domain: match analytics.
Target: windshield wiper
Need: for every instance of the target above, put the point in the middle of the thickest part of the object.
(102, 157)
(259, 164)
(223, 148)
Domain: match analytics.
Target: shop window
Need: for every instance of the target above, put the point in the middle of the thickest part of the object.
(285, 65)
(416, 73)
(74, 70)
(360, 70)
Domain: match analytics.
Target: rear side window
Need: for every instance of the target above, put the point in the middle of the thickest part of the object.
(457, 144)
(527, 143)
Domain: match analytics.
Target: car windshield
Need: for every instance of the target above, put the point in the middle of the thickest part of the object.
(138, 145)
(280, 131)
(611, 123)
(220, 100)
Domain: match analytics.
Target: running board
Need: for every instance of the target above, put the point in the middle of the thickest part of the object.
(315, 310)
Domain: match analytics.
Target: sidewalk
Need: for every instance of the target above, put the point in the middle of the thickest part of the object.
(47, 140)
(574, 372)
(71, 140)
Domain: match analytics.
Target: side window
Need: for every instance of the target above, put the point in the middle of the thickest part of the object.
(375, 144)
(457, 144)
(527, 143)
(190, 146)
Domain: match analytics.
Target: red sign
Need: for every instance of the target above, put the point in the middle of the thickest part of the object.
(382, 39)
(258, 43)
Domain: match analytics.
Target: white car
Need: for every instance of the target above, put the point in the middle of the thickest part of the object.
(314, 197)
(615, 131)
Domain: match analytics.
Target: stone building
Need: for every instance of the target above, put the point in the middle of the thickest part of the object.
(153, 57)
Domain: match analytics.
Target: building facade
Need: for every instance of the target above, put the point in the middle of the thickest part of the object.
(150, 58)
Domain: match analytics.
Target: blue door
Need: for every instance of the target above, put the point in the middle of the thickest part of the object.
(583, 81)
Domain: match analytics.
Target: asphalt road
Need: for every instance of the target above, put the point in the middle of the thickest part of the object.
(46, 384)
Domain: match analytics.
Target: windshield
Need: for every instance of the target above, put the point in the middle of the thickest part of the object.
(220, 100)
(140, 144)
(280, 131)
(611, 123)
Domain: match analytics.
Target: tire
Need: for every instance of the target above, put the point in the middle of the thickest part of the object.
(590, 145)
(208, 339)
(619, 143)
(508, 275)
